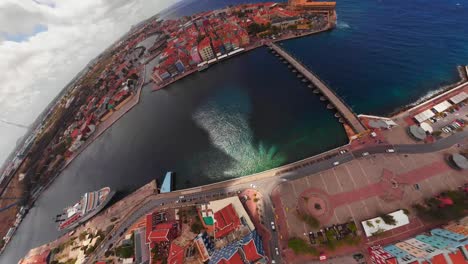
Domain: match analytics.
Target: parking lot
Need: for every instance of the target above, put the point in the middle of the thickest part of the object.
(449, 118)
(366, 187)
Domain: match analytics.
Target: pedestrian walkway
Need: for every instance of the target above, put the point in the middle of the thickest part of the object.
(342, 108)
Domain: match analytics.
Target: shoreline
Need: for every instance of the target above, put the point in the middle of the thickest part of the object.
(434, 94)
(261, 43)
(146, 197)
(101, 128)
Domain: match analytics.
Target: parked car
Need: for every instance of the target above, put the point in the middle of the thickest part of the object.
(365, 154)
(336, 163)
(390, 150)
(273, 226)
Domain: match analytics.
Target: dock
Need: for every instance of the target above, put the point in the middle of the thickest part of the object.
(328, 94)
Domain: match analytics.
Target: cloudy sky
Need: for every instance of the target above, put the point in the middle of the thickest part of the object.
(45, 43)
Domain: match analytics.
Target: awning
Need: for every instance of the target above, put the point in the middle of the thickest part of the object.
(460, 161)
(426, 127)
(417, 132)
(423, 116)
(442, 106)
(459, 98)
(381, 123)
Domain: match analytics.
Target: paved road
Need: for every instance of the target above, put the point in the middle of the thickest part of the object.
(265, 185)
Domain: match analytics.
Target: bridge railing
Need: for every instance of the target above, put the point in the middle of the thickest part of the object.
(324, 82)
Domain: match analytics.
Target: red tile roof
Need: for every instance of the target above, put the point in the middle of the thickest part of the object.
(149, 226)
(251, 253)
(226, 221)
(204, 43)
(457, 257)
(438, 259)
(235, 259)
(176, 254)
(159, 235)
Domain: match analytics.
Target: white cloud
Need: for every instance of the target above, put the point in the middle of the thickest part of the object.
(37, 68)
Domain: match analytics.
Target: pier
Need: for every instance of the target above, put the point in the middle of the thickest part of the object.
(328, 94)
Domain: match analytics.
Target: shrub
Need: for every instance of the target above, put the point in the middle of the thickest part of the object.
(83, 235)
(406, 212)
(300, 246)
(352, 226)
(388, 219)
(369, 224)
(379, 232)
(196, 227)
(124, 252)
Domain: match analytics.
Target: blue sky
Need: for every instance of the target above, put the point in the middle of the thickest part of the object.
(22, 36)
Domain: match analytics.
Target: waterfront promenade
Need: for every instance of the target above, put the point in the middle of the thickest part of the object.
(266, 182)
(350, 117)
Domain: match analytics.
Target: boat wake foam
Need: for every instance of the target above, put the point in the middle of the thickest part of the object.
(342, 25)
(225, 118)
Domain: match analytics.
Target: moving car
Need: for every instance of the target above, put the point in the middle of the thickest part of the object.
(336, 163)
(365, 154)
(390, 150)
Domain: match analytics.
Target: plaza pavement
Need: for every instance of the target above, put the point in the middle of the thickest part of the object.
(362, 189)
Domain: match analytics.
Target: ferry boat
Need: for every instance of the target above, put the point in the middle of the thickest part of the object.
(90, 204)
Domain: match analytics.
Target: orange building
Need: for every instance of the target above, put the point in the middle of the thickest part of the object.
(314, 5)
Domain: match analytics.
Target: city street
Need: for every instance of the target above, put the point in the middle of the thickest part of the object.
(265, 185)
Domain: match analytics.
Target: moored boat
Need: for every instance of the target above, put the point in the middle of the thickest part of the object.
(88, 206)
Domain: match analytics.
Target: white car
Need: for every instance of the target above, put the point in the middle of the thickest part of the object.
(273, 261)
(277, 251)
(336, 163)
(343, 151)
(273, 226)
(390, 150)
(365, 154)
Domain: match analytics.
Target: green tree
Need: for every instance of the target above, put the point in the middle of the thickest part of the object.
(196, 227)
(300, 246)
(388, 219)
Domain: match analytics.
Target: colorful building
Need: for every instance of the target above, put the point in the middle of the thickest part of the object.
(195, 55)
(248, 250)
(205, 50)
(380, 256)
(442, 246)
